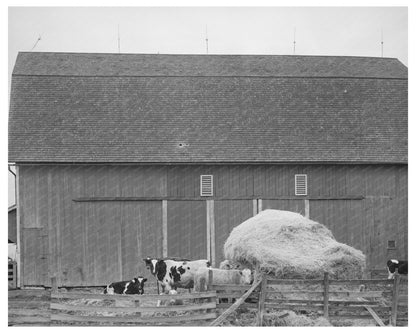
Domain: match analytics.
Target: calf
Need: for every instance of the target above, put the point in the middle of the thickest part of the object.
(400, 265)
(135, 286)
(172, 274)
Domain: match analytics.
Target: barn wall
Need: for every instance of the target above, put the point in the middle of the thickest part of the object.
(76, 225)
(12, 225)
(88, 243)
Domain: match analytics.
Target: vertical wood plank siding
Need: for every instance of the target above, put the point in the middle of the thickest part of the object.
(187, 229)
(228, 214)
(90, 243)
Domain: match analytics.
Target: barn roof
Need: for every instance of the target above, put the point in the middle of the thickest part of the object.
(140, 108)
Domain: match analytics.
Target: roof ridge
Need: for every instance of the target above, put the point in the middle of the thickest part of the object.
(209, 55)
(226, 76)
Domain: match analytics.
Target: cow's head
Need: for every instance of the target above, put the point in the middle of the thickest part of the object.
(151, 264)
(247, 277)
(139, 282)
(392, 264)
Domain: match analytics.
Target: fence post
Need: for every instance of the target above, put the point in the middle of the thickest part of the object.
(326, 295)
(54, 284)
(262, 299)
(395, 299)
(210, 279)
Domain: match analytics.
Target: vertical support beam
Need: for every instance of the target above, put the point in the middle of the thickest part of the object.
(211, 232)
(262, 299)
(259, 205)
(208, 232)
(255, 212)
(164, 228)
(307, 208)
(18, 230)
(395, 299)
(326, 295)
(210, 279)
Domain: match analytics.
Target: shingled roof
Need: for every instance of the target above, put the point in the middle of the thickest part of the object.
(139, 108)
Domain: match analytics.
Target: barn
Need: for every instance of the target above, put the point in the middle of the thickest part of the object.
(123, 156)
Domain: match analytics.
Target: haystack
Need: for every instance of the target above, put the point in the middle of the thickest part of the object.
(288, 245)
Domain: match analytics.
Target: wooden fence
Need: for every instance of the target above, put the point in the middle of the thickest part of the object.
(12, 276)
(29, 307)
(384, 301)
(381, 300)
(99, 309)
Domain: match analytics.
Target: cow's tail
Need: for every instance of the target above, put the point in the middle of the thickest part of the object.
(105, 290)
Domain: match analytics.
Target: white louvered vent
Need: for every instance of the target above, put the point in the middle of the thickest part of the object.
(301, 185)
(207, 187)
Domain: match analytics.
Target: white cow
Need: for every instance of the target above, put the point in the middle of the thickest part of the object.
(221, 276)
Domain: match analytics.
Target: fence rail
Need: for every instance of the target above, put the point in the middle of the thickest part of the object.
(100, 309)
(378, 299)
(381, 300)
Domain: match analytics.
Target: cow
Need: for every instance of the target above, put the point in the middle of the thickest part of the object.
(400, 265)
(221, 276)
(172, 274)
(135, 286)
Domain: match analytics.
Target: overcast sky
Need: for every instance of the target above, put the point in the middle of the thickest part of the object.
(351, 31)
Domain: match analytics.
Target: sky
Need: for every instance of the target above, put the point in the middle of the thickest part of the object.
(347, 31)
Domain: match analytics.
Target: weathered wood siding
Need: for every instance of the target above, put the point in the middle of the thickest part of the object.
(77, 225)
(89, 243)
(228, 214)
(187, 231)
(12, 225)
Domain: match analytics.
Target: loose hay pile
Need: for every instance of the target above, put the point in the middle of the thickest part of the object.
(289, 245)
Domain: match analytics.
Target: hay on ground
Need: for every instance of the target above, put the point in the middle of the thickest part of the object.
(288, 245)
(290, 318)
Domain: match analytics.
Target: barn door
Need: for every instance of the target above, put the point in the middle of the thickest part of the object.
(347, 221)
(227, 215)
(35, 254)
(112, 238)
(187, 229)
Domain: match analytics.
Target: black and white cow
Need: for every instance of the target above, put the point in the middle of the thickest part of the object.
(172, 274)
(400, 265)
(135, 286)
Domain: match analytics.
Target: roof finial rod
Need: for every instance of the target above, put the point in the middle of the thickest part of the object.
(206, 36)
(36, 43)
(294, 40)
(382, 43)
(118, 37)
